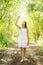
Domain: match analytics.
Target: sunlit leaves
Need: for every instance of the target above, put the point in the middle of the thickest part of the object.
(11, 9)
(36, 5)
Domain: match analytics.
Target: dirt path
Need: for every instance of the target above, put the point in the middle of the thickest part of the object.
(11, 56)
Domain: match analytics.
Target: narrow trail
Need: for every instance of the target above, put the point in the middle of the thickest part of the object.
(11, 56)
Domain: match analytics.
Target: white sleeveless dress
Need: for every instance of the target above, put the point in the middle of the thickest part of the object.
(22, 42)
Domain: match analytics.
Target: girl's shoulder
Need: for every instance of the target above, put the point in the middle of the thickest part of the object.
(23, 29)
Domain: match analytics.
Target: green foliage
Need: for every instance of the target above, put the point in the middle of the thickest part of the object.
(40, 43)
(9, 10)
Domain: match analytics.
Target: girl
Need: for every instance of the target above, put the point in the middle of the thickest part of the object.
(23, 39)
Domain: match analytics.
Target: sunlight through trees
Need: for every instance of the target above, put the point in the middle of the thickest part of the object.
(29, 10)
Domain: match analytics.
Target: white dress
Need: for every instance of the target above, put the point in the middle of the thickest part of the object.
(22, 42)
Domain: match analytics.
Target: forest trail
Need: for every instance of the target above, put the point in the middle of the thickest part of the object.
(11, 56)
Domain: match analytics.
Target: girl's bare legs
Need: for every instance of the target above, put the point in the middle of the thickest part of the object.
(23, 54)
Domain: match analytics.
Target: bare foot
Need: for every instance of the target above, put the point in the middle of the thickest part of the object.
(22, 60)
(25, 59)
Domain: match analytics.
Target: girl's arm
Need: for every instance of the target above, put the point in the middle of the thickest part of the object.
(16, 22)
(28, 36)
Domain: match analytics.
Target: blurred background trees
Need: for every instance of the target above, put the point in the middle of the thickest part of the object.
(10, 10)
